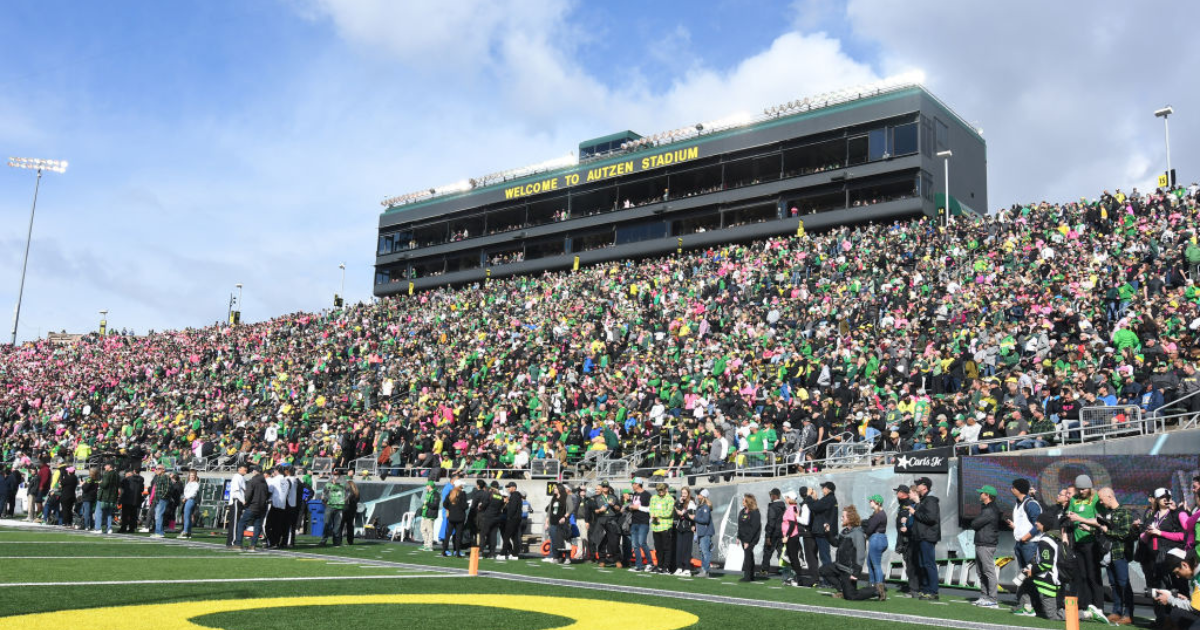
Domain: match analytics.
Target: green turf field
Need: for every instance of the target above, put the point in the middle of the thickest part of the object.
(58, 580)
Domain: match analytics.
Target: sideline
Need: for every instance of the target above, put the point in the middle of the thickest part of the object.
(852, 613)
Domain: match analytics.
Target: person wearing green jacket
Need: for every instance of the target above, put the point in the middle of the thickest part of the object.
(430, 503)
(106, 499)
(662, 513)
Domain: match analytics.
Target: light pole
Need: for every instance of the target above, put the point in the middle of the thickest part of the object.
(947, 154)
(1163, 114)
(342, 291)
(57, 166)
(103, 322)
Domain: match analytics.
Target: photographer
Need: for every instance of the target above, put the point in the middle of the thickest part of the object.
(1162, 531)
(906, 542)
(1039, 585)
(1181, 607)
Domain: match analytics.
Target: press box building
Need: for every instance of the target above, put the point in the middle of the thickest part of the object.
(857, 155)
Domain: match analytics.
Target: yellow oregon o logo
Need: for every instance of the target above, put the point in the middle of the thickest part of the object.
(587, 614)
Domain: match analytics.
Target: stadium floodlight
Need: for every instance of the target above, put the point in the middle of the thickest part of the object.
(1164, 113)
(39, 165)
(947, 154)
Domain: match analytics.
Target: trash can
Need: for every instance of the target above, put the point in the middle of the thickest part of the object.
(317, 524)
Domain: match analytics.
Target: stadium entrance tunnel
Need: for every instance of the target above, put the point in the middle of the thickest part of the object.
(579, 614)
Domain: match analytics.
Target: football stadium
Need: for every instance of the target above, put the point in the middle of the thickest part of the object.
(781, 369)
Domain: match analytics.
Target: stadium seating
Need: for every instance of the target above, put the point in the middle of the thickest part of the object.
(1002, 330)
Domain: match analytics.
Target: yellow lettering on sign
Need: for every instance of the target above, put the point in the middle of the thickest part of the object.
(658, 160)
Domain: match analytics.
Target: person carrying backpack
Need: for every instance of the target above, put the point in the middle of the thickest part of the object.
(1039, 587)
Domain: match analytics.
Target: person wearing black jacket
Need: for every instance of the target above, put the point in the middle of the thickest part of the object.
(927, 517)
(455, 505)
(810, 576)
(906, 540)
(824, 520)
(749, 530)
(513, 508)
(492, 518)
(91, 487)
(773, 537)
(68, 483)
(477, 516)
(557, 524)
(131, 499)
(257, 496)
(605, 531)
(987, 536)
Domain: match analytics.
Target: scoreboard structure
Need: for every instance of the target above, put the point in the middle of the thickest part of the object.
(853, 156)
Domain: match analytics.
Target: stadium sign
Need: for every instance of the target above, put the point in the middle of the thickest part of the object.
(597, 173)
(935, 460)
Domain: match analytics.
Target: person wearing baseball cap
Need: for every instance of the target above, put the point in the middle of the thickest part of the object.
(1090, 589)
(431, 501)
(1038, 593)
(927, 523)
(907, 546)
(639, 526)
(514, 511)
(1181, 608)
(987, 537)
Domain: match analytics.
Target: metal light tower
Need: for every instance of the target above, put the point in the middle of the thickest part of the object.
(57, 166)
(1164, 113)
(946, 154)
(342, 290)
(103, 322)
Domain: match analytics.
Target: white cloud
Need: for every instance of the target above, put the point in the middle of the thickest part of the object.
(1063, 90)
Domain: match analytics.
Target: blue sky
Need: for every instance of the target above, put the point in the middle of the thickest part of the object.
(220, 142)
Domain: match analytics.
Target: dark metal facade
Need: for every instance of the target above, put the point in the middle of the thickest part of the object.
(872, 159)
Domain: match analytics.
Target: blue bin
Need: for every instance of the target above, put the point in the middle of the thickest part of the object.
(317, 510)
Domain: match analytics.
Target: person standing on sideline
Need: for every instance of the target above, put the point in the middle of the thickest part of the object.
(906, 541)
(927, 520)
(292, 489)
(824, 517)
(1081, 511)
(106, 499)
(68, 483)
(455, 504)
(161, 489)
(510, 548)
(429, 513)
(277, 512)
(350, 512)
(191, 490)
(704, 531)
(257, 501)
(875, 532)
(639, 527)
(987, 536)
(1024, 523)
(790, 533)
(773, 534)
(237, 502)
(131, 499)
(807, 539)
(334, 495)
(87, 496)
(1115, 524)
(662, 517)
(749, 530)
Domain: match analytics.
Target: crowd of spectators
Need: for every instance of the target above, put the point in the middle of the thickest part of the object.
(909, 333)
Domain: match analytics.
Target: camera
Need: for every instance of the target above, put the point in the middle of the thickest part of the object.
(1018, 580)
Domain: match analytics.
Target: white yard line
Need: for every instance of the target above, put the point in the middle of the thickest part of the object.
(230, 580)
